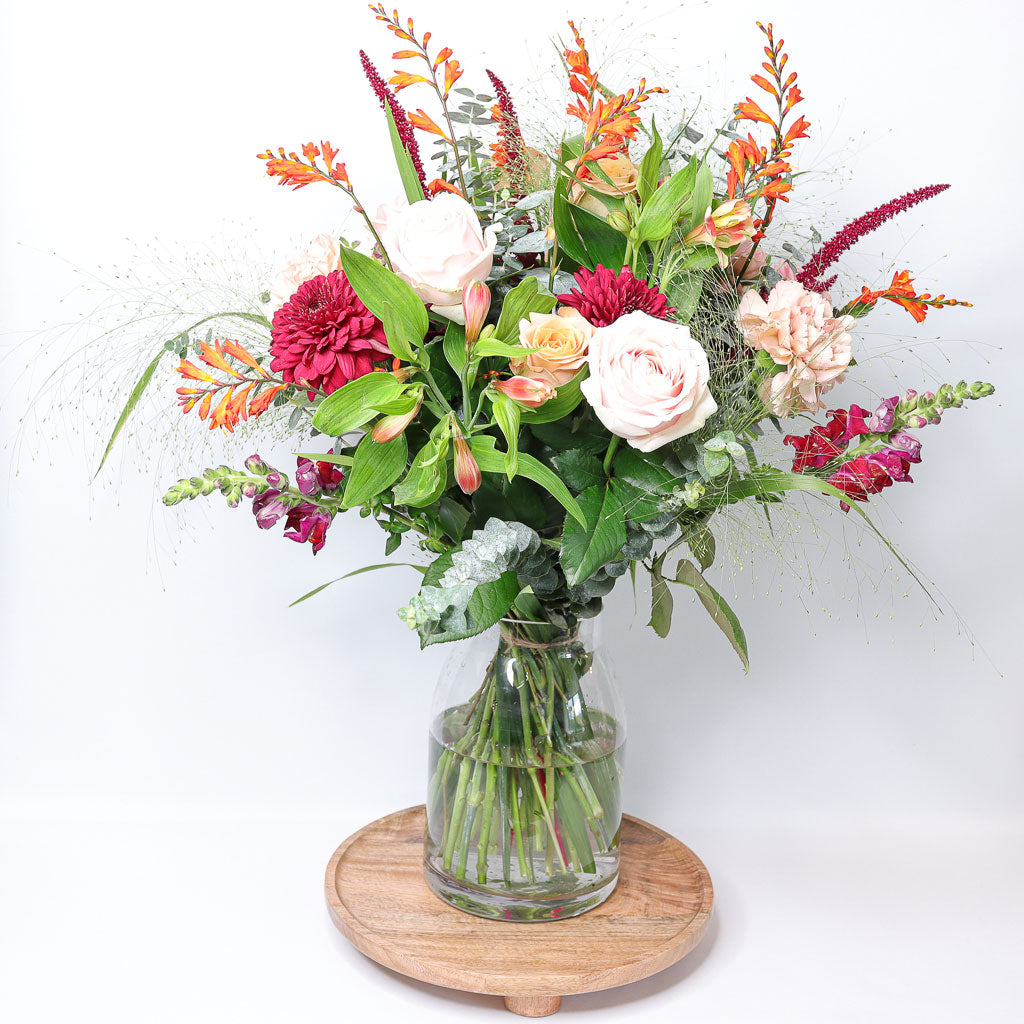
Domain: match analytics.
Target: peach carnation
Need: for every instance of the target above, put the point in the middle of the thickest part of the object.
(800, 332)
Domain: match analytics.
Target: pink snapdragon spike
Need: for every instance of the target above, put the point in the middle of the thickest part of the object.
(476, 301)
(467, 471)
(526, 391)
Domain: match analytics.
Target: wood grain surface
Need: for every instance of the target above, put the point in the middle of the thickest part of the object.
(379, 900)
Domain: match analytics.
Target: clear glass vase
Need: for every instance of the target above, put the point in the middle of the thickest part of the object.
(525, 775)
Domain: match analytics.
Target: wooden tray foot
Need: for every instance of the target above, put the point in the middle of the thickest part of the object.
(533, 1006)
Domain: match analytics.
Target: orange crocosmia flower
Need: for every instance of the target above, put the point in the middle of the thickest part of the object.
(748, 110)
(442, 55)
(452, 73)
(422, 120)
(190, 371)
(402, 80)
(440, 185)
(290, 169)
(405, 54)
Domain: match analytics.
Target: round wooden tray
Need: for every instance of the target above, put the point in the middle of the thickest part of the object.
(379, 900)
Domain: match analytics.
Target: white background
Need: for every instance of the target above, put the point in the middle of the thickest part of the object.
(180, 752)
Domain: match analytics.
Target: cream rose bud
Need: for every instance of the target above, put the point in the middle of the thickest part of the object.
(561, 341)
(648, 380)
(322, 256)
(438, 247)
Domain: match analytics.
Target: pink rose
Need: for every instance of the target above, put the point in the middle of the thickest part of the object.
(799, 330)
(648, 380)
(438, 247)
(560, 340)
(323, 256)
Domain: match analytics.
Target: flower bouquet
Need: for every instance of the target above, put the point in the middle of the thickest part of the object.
(549, 366)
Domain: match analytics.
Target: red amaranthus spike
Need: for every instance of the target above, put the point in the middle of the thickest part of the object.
(810, 274)
(510, 150)
(240, 397)
(755, 171)
(290, 169)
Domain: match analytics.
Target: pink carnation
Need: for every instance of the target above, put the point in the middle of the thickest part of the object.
(800, 332)
(324, 336)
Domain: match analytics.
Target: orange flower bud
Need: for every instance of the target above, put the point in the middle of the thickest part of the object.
(527, 391)
(467, 472)
(476, 301)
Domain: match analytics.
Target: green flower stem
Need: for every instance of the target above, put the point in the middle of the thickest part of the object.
(485, 823)
(613, 447)
(525, 863)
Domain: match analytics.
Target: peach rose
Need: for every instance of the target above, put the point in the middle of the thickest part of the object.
(799, 330)
(624, 175)
(648, 380)
(561, 339)
(322, 256)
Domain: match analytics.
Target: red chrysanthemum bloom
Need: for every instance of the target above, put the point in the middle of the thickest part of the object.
(324, 336)
(603, 296)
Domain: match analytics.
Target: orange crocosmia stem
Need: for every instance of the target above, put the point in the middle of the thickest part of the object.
(291, 170)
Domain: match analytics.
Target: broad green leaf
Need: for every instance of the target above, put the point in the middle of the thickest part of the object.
(455, 346)
(644, 472)
(129, 406)
(660, 214)
(397, 334)
(703, 257)
(520, 302)
(565, 401)
(650, 166)
(356, 572)
(375, 468)
(356, 403)
(506, 415)
(703, 196)
(428, 476)
(638, 506)
(580, 469)
(493, 347)
(568, 236)
(661, 601)
(600, 539)
(604, 245)
(334, 460)
(722, 615)
(406, 168)
(491, 460)
(377, 287)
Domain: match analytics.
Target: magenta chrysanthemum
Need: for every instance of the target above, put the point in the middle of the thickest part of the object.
(324, 336)
(810, 274)
(603, 296)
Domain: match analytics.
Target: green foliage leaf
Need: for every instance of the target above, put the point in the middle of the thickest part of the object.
(644, 472)
(398, 337)
(683, 292)
(721, 614)
(356, 572)
(356, 403)
(565, 401)
(589, 545)
(506, 415)
(580, 469)
(660, 214)
(566, 232)
(375, 467)
(703, 195)
(716, 463)
(406, 168)
(492, 347)
(129, 407)
(378, 287)
(650, 166)
(428, 475)
(638, 506)
(520, 302)
(492, 461)
(701, 542)
(603, 244)
(455, 346)
(661, 601)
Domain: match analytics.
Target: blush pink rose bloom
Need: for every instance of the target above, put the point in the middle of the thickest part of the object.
(322, 256)
(801, 333)
(648, 380)
(437, 246)
(560, 341)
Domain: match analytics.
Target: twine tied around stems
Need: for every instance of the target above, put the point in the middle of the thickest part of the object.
(516, 640)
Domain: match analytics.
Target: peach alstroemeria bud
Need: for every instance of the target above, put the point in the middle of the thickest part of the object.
(467, 471)
(527, 391)
(476, 301)
(389, 427)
